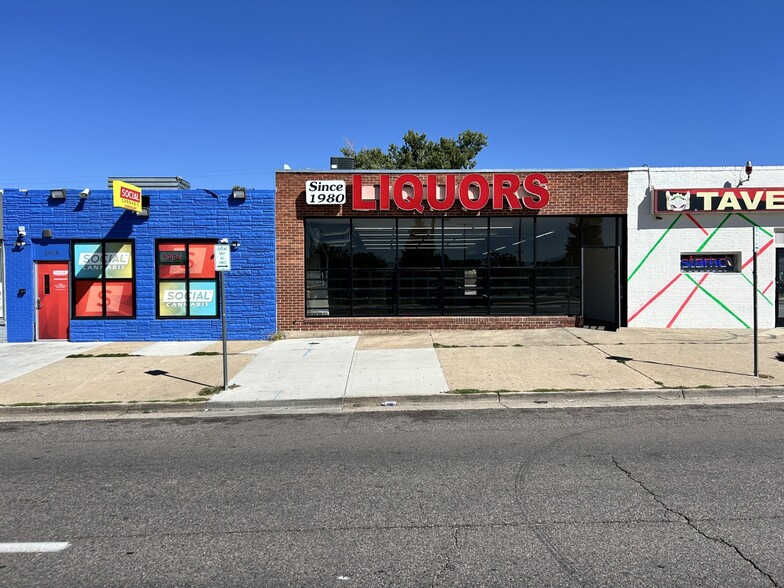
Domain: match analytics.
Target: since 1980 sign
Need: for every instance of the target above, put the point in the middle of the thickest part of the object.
(325, 191)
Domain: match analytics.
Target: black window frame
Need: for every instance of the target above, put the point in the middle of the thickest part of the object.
(103, 279)
(187, 280)
(537, 271)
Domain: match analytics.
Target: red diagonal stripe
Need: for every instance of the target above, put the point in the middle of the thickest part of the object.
(767, 287)
(655, 296)
(761, 249)
(685, 302)
(694, 220)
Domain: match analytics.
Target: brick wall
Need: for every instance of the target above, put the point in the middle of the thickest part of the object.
(192, 214)
(571, 193)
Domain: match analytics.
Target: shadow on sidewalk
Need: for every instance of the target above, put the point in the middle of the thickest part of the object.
(168, 375)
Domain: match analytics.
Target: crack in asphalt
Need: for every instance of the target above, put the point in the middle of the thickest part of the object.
(690, 522)
(453, 548)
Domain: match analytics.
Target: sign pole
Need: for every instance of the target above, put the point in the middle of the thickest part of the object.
(223, 330)
(754, 286)
(222, 256)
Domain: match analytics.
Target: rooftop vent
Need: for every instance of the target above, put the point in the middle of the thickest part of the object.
(341, 163)
(153, 182)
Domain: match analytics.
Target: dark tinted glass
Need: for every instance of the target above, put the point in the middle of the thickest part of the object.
(599, 231)
(374, 250)
(557, 241)
(511, 242)
(327, 267)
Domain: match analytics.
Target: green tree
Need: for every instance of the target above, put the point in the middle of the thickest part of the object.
(419, 152)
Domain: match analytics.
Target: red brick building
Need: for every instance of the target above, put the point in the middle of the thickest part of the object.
(450, 250)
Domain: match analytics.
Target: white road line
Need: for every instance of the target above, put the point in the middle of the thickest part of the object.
(32, 547)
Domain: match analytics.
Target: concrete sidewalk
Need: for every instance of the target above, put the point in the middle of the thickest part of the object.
(424, 366)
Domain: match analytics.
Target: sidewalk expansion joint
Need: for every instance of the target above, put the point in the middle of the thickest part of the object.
(689, 522)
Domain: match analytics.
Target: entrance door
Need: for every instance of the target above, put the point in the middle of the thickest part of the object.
(601, 287)
(780, 287)
(52, 303)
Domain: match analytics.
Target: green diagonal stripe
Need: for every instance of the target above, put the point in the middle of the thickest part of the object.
(760, 227)
(651, 250)
(721, 224)
(716, 300)
(758, 290)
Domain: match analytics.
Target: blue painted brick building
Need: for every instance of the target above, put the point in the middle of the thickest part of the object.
(126, 277)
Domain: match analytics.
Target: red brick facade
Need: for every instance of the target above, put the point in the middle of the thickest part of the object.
(571, 193)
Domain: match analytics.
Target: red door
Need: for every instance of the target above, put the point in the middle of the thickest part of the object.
(53, 300)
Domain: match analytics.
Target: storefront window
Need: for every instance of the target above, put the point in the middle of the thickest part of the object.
(373, 258)
(103, 279)
(511, 253)
(186, 279)
(449, 266)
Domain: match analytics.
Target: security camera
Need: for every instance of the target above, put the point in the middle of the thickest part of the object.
(84, 193)
(21, 231)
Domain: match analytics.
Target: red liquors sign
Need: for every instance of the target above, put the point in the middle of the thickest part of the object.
(473, 192)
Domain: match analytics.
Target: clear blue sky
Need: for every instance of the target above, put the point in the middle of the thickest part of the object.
(224, 93)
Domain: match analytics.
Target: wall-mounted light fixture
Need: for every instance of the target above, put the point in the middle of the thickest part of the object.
(145, 211)
(235, 245)
(238, 193)
(84, 193)
(748, 169)
(58, 194)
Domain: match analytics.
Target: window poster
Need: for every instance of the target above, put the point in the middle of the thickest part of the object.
(168, 255)
(119, 260)
(88, 262)
(201, 260)
(119, 299)
(88, 297)
(174, 299)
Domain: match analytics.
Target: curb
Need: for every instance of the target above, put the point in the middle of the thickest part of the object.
(343, 403)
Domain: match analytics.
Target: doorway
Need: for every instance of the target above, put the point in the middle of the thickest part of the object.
(780, 287)
(52, 300)
(601, 287)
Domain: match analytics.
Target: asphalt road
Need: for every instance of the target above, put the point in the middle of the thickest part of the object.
(687, 496)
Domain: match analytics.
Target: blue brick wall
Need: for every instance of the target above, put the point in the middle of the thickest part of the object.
(174, 214)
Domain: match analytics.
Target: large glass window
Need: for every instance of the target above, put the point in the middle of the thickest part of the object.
(103, 279)
(328, 267)
(449, 266)
(186, 280)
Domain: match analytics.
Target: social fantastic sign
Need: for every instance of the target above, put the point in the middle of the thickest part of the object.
(718, 200)
(127, 196)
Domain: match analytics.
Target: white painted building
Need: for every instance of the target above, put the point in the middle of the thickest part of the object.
(689, 264)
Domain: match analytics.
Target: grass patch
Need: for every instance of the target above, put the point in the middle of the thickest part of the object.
(554, 390)
(212, 390)
(83, 355)
(705, 386)
(276, 336)
(477, 391)
(441, 346)
(207, 353)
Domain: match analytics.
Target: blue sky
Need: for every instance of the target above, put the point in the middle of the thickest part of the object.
(224, 93)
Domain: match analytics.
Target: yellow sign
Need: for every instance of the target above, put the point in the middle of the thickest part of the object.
(127, 196)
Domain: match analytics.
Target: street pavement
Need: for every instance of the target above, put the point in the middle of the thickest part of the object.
(355, 371)
(651, 496)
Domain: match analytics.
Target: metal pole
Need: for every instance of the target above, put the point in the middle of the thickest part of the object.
(223, 329)
(754, 285)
